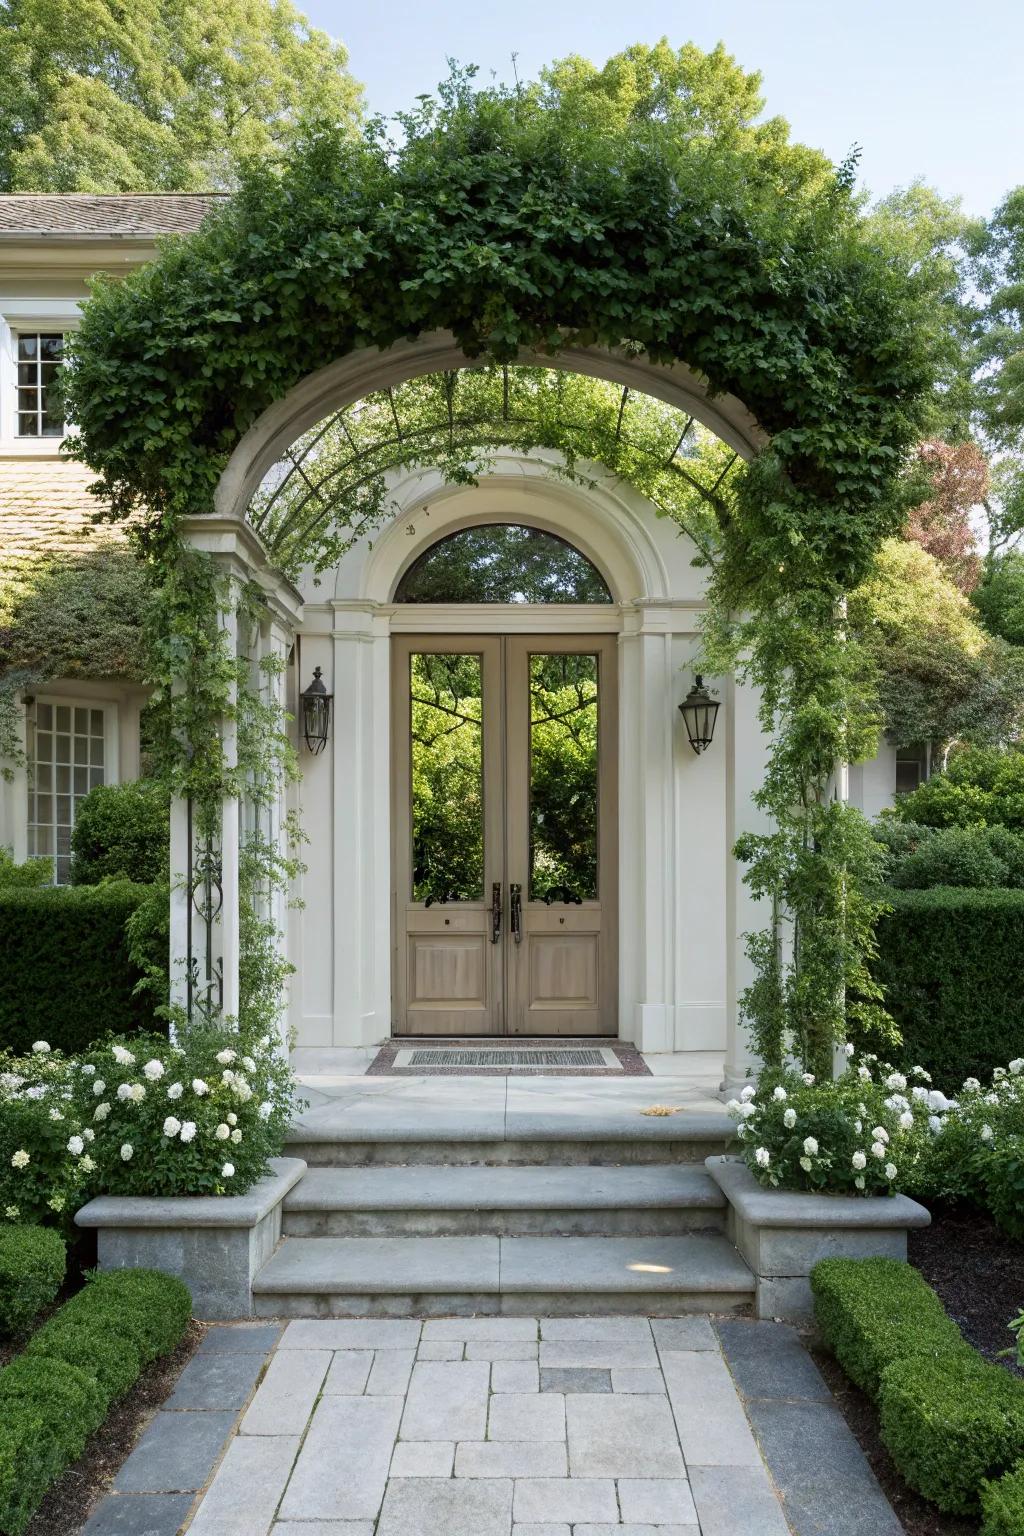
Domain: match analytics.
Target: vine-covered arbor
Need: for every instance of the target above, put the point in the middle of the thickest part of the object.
(731, 280)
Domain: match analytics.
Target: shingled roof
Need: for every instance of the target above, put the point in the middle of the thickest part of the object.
(121, 216)
(46, 509)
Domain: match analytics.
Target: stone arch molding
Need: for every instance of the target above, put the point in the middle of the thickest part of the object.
(607, 521)
(360, 373)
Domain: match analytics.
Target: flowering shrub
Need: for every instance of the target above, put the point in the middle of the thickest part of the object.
(862, 1134)
(976, 1151)
(139, 1116)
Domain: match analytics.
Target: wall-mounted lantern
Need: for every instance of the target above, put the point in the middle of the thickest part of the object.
(316, 713)
(700, 712)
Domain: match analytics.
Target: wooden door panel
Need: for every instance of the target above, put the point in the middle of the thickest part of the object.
(563, 970)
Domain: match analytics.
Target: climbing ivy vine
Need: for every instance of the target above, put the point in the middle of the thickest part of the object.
(528, 221)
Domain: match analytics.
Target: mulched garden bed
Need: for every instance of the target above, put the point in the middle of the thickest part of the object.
(71, 1499)
(979, 1274)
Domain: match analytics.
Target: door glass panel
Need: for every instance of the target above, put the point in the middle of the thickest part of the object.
(563, 777)
(446, 700)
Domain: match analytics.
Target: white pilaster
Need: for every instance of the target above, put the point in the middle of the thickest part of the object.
(746, 757)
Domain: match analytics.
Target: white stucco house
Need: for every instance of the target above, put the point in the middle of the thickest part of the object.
(505, 919)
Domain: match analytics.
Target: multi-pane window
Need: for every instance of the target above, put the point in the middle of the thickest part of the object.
(40, 354)
(67, 761)
(911, 767)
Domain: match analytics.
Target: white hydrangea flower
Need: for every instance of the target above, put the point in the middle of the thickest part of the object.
(789, 1119)
(40, 1048)
(55, 1114)
(98, 1087)
(971, 1085)
(998, 1074)
(228, 1171)
(733, 1107)
(171, 1126)
(748, 1109)
(897, 1101)
(987, 1133)
(231, 1117)
(906, 1120)
(919, 1093)
(991, 1098)
(808, 1079)
(934, 1124)
(880, 1133)
(896, 1080)
(920, 1072)
(806, 1164)
(222, 1132)
(199, 1087)
(747, 1092)
(20, 1159)
(188, 1131)
(89, 1134)
(76, 1146)
(810, 1147)
(138, 1093)
(101, 1111)
(890, 1171)
(37, 1091)
(236, 1136)
(154, 1070)
(123, 1057)
(227, 1077)
(780, 1095)
(938, 1102)
(848, 1048)
(87, 1164)
(864, 1073)
(126, 1151)
(763, 1157)
(878, 1150)
(248, 1064)
(226, 1057)
(12, 1212)
(175, 1091)
(1017, 1066)
(88, 1070)
(265, 1110)
(124, 1091)
(242, 1090)
(858, 1126)
(859, 1160)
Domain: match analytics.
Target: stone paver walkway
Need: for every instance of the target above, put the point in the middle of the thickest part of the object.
(621, 1426)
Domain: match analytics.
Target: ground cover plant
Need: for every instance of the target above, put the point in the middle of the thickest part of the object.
(59, 1391)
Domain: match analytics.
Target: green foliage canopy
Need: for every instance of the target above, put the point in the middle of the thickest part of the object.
(159, 95)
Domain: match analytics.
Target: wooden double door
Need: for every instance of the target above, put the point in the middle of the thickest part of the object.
(504, 835)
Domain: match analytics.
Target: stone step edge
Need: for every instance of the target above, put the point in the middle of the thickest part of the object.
(313, 1193)
(686, 1125)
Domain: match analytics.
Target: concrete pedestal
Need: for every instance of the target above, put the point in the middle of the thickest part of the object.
(783, 1233)
(215, 1243)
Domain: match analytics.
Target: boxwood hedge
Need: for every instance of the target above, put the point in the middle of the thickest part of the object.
(67, 977)
(32, 1264)
(58, 1392)
(1002, 1504)
(949, 961)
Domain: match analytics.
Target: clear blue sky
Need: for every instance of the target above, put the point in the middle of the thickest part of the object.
(929, 88)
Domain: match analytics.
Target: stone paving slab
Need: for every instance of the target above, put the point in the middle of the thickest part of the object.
(216, 1380)
(240, 1338)
(669, 1427)
(139, 1514)
(176, 1453)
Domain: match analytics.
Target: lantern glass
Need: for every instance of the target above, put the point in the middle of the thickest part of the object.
(316, 713)
(700, 711)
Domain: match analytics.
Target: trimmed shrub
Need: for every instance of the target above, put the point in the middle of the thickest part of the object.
(32, 1265)
(33, 873)
(960, 856)
(30, 1460)
(873, 1312)
(121, 832)
(57, 1393)
(951, 1422)
(93, 1346)
(67, 976)
(1002, 1505)
(153, 1308)
(949, 961)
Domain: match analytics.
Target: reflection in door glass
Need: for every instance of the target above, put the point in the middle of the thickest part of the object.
(563, 778)
(447, 778)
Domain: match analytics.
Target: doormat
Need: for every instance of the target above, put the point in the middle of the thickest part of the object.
(518, 1058)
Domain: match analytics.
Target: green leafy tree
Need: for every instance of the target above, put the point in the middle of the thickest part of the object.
(163, 95)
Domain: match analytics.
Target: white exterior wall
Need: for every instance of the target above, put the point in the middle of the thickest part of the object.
(673, 813)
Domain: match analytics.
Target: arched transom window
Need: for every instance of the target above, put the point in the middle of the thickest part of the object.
(502, 563)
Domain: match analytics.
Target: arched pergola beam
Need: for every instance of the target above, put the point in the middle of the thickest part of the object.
(371, 370)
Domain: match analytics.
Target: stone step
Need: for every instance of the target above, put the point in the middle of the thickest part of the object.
(510, 1276)
(600, 1138)
(432, 1201)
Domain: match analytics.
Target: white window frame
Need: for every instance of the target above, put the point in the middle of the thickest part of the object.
(30, 315)
(111, 754)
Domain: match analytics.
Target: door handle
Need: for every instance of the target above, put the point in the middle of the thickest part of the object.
(495, 911)
(516, 911)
